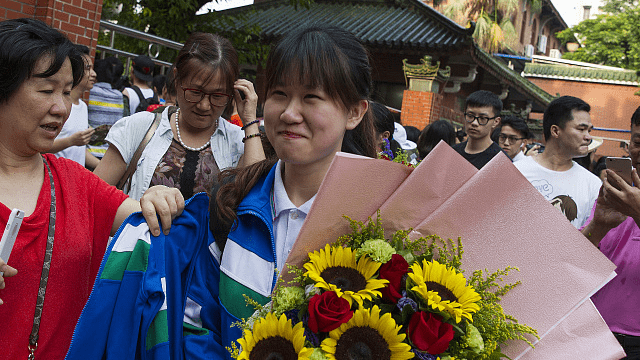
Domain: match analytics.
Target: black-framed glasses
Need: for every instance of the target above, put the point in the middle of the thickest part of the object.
(512, 139)
(216, 99)
(482, 120)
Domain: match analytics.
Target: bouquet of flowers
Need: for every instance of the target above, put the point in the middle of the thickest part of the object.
(400, 157)
(367, 297)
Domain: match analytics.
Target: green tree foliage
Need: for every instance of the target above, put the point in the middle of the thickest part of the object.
(609, 39)
(176, 19)
(618, 6)
(494, 27)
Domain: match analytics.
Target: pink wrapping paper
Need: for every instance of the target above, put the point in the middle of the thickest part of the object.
(355, 186)
(582, 335)
(502, 220)
(425, 189)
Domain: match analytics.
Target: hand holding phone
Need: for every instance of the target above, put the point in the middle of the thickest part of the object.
(10, 234)
(622, 167)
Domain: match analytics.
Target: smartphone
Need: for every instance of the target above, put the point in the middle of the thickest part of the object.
(621, 166)
(10, 234)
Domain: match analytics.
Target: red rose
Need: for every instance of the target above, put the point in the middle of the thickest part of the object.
(327, 311)
(428, 333)
(393, 270)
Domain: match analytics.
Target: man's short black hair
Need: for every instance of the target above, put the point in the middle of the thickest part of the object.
(518, 124)
(483, 98)
(635, 118)
(560, 111)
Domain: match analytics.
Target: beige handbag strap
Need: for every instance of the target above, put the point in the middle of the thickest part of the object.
(125, 180)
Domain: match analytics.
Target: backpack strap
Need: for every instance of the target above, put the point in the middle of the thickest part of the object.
(138, 92)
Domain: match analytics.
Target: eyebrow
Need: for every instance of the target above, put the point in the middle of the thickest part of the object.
(51, 81)
(480, 113)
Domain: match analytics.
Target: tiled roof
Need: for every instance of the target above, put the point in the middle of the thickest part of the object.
(503, 72)
(401, 24)
(574, 73)
(397, 25)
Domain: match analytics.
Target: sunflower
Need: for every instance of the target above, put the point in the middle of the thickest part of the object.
(335, 269)
(367, 336)
(444, 289)
(275, 338)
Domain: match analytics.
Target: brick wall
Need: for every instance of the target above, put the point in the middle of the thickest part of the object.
(78, 19)
(420, 108)
(611, 107)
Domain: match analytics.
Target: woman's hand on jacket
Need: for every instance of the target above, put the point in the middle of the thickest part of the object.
(161, 202)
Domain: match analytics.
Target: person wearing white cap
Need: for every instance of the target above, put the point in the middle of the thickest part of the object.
(567, 185)
(400, 135)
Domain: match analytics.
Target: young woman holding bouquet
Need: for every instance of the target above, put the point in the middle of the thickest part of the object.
(317, 91)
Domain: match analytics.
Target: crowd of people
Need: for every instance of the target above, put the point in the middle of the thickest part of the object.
(164, 139)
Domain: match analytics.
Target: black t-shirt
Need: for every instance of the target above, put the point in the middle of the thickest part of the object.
(480, 159)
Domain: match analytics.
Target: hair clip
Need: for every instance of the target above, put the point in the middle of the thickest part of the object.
(192, 50)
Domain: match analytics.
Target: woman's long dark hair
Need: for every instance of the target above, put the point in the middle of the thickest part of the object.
(318, 55)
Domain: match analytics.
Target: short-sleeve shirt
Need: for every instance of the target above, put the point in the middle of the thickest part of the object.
(480, 159)
(619, 300)
(126, 135)
(85, 210)
(573, 191)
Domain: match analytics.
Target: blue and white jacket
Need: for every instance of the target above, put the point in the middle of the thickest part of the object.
(154, 297)
(248, 265)
(158, 297)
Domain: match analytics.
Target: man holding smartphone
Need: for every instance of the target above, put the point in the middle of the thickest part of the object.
(567, 185)
(614, 229)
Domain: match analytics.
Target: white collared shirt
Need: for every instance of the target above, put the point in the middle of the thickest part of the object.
(287, 218)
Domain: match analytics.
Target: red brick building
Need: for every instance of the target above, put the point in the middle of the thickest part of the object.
(78, 19)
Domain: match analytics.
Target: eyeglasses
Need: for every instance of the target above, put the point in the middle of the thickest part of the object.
(512, 139)
(216, 99)
(482, 120)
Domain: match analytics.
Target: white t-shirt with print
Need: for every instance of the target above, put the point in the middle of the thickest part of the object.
(573, 191)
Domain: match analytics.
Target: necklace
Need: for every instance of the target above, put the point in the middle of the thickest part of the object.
(180, 139)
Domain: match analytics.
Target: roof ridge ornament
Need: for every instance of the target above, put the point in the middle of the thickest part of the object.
(420, 77)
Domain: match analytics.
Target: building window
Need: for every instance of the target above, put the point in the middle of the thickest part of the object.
(523, 27)
(586, 12)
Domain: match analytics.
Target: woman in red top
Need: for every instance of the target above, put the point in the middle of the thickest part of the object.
(69, 212)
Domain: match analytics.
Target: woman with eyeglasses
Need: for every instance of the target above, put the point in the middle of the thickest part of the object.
(192, 142)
